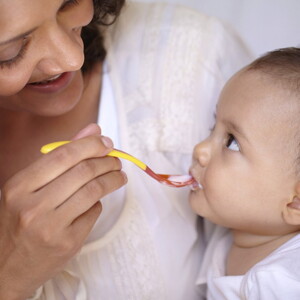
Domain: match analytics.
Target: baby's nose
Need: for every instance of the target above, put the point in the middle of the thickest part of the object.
(202, 152)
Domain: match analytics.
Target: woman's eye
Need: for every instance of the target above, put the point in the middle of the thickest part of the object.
(11, 53)
(232, 143)
(68, 3)
(11, 50)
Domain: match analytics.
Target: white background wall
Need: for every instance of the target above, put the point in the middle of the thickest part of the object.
(263, 24)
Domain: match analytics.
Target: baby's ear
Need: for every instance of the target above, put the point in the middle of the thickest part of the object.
(291, 213)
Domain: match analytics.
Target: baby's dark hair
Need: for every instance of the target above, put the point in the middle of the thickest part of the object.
(282, 65)
(105, 13)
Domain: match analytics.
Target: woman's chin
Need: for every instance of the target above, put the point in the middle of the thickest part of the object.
(57, 108)
(49, 100)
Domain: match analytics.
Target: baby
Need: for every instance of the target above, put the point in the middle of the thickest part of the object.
(248, 172)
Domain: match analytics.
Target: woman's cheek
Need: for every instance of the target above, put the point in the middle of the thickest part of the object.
(83, 14)
(90, 11)
(13, 81)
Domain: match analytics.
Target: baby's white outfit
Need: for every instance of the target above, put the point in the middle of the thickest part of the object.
(276, 277)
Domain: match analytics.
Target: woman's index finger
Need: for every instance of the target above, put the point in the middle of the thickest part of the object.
(59, 161)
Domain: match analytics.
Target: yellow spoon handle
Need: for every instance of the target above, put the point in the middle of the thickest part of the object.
(49, 147)
(116, 153)
(121, 154)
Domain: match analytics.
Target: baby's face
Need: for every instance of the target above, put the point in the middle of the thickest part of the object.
(247, 165)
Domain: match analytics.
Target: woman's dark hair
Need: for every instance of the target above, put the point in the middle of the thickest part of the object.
(105, 13)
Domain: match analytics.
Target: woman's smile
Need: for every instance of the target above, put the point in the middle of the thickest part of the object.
(53, 84)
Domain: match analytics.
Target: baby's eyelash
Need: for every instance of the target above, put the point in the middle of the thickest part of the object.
(13, 61)
(232, 143)
(211, 129)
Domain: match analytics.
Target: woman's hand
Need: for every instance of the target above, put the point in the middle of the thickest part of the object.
(48, 209)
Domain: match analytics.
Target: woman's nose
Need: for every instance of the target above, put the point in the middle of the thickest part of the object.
(62, 51)
(202, 152)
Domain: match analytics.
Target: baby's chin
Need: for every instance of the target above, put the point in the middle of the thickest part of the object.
(196, 201)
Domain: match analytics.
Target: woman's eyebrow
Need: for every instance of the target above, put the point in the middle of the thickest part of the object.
(20, 36)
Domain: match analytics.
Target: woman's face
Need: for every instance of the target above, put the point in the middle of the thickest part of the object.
(41, 53)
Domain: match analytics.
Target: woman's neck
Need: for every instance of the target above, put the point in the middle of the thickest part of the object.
(248, 249)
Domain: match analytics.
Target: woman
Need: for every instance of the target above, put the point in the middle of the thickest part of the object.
(164, 68)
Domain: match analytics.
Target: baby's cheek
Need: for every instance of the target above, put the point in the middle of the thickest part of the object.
(217, 187)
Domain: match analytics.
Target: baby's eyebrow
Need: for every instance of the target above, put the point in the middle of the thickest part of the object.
(237, 129)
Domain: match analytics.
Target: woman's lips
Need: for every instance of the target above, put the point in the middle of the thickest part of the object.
(44, 81)
(53, 84)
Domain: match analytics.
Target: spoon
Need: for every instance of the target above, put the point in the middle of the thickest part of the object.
(170, 180)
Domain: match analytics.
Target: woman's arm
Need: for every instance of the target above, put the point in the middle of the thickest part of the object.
(48, 209)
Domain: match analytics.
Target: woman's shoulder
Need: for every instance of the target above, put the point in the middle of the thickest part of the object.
(182, 29)
(170, 14)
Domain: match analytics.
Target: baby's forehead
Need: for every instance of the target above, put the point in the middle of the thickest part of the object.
(251, 93)
(249, 82)
(254, 77)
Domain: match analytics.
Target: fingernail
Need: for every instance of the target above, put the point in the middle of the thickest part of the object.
(107, 141)
(91, 129)
(125, 176)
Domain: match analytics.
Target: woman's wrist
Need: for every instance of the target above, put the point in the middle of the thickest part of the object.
(12, 289)
(9, 294)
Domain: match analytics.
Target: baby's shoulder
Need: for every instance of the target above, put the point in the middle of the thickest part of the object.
(278, 274)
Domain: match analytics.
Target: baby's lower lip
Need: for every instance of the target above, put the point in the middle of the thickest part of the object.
(196, 186)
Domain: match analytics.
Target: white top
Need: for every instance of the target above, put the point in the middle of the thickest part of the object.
(166, 66)
(275, 277)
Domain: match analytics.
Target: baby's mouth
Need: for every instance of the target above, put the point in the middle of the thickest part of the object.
(196, 186)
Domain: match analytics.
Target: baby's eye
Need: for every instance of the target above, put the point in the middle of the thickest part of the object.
(232, 143)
